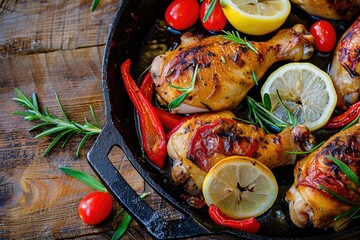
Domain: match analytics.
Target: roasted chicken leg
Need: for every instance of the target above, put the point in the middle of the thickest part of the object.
(309, 204)
(204, 140)
(345, 67)
(331, 9)
(226, 69)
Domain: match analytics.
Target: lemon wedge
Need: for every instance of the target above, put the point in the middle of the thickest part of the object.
(256, 17)
(240, 186)
(306, 90)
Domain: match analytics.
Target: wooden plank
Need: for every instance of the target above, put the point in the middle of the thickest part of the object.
(33, 26)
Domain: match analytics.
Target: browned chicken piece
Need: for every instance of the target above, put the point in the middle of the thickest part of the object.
(225, 69)
(331, 9)
(345, 67)
(308, 203)
(204, 140)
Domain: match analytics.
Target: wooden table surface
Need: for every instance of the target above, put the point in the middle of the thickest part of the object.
(48, 47)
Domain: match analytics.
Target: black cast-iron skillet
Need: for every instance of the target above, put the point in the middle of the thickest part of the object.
(132, 36)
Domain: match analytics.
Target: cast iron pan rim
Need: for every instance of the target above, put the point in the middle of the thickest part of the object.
(174, 202)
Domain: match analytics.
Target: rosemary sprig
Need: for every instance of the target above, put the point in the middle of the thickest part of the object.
(64, 128)
(177, 101)
(234, 36)
(263, 117)
(354, 212)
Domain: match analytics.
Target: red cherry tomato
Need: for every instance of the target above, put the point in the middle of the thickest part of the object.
(182, 14)
(217, 20)
(324, 36)
(95, 207)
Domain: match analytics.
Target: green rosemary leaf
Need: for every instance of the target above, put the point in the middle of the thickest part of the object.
(51, 131)
(54, 142)
(94, 117)
(81, 144)
(253, 74)
(177, 101)
(35, 101)
(291, 120)
(334, 194)
(94, 4)
(350, 213)
(307, 152)
(210, 10)
(124, 224)
(67, 139)
(22, 113)
(348, 172)
(181, 89)
(85, 178)
(267, 101)
(39, 126)
(61, 106)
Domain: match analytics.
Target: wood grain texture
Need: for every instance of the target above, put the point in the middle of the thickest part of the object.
(48, 46)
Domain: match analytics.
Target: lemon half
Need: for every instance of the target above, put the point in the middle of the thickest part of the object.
(306, 90)
(256, 17)
(240, 186)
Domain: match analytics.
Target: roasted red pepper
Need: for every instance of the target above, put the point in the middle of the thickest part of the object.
(152, 132)
(250, 225)
(147, 86)
(168, 120)
(345, 118)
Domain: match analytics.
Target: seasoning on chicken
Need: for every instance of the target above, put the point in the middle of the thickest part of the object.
(331, 9)
(204, 140)
(345, 67)
(308, 202)
(226, 69)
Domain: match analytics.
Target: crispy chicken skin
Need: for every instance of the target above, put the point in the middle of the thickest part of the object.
(308, 203)
(204, 140)
(331, 9)
(345, 67)
(225, 68)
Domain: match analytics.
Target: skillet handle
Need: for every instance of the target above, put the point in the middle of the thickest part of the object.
(155, 224)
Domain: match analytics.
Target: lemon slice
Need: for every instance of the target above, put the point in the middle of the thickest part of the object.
(240, 186)
(256, 17)
(307, 91)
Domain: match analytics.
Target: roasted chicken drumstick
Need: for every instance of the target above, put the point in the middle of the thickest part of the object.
(345, 67)
(309, 204)
(204, 140)
(226, 69)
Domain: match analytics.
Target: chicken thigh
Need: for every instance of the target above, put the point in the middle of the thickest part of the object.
(309, 204)
(226, 69)
(345, 67)
(204, 140)
(331, 9)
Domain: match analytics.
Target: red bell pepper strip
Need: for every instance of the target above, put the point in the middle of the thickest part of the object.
(250, 225)
(147, 86)
(168, 120)
(152, 132)
(345, 118)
